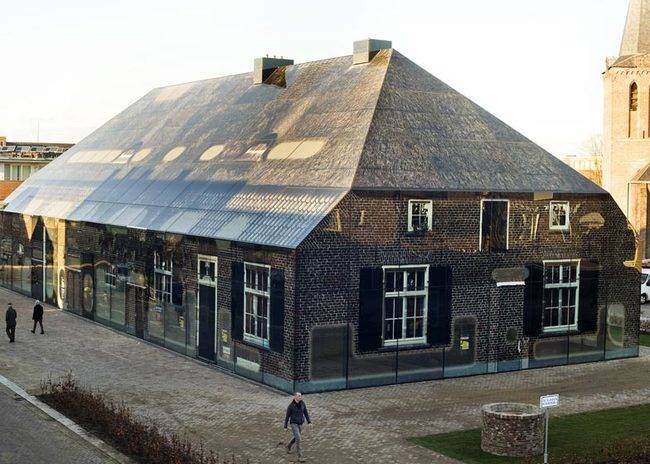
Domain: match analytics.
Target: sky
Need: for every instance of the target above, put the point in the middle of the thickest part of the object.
(70, 65)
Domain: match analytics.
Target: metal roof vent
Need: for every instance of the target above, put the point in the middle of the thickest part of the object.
(365, 50)
(264, 67)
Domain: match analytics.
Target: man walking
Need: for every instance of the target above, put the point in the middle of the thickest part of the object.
(37, 316)
(10, 319)
(296, 415)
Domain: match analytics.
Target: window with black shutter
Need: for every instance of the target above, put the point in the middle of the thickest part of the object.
(588, 299)
(494, 225)
(237, 301)
(277, 310)
(405, 305)
(257, 304)
(439, 306)
(370, 309)
(561, 297)
(534, 300)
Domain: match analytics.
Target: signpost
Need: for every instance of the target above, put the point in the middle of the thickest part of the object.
(545, 403)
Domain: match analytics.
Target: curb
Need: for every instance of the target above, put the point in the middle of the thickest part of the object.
(66, 422)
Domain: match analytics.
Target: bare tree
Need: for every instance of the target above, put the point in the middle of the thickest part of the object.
(593, 145)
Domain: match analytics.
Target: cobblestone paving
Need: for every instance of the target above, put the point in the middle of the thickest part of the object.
(233, 415)
(30, 436)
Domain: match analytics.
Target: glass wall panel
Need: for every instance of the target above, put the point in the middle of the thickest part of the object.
(5, 270)
(155, 321)
(118, 301)
(415, 365)
(589, 347)
(25, 275)
(175, 321)
(550, 351)
(248, 362)
(50, 295)
(615, 333)
(464, 357)
(104, 282)
(190, 322)
(367, 370)
(329, 358)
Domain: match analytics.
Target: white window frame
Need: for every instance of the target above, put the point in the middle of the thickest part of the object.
(110, 278)
(164, 273)
(249, 337)
(404, 295)
(550, 215)
(480, 226)
(14, 171)
(209, 283)
(565, 327)
(429, 203)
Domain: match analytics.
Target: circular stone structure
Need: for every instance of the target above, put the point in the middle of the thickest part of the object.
(512, 429)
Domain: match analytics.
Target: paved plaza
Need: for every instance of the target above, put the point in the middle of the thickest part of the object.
(233, 415)
(30, 436)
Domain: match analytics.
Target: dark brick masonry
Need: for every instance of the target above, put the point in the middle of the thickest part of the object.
(321, 285)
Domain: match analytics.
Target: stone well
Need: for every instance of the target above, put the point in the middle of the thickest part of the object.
(512, 429)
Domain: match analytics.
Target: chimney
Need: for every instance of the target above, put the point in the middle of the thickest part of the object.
(264, 67)
(365, 50)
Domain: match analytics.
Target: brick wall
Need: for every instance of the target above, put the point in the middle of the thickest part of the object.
(322, 276)
(373, 234)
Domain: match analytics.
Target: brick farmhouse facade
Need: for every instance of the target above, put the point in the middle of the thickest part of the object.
(488, 256)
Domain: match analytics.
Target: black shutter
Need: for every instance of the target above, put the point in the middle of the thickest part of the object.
(277, 310)
(439, 306)
(237, 301)
(177, 293)
(534, 300)
(370, 308)
(588, 298)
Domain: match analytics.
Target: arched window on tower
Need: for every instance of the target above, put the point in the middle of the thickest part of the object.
(633, 111)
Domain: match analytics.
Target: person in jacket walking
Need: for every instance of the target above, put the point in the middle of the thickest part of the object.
(10, 319)
(295, 417)
(37, 316)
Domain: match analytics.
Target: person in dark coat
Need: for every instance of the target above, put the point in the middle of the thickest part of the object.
(37, 316)
(10, 319)
(295, 417)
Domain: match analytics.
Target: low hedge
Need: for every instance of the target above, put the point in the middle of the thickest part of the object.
(117, 424)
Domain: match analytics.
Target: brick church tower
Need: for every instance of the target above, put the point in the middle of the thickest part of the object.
(626, 132)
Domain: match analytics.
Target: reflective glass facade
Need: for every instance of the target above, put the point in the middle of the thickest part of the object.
(366, 303)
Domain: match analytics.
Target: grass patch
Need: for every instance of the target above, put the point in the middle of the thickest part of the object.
(608, 436)
(644, 339)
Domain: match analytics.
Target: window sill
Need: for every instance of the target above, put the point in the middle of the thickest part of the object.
(255, 344)
(559, 333)
(404, 347)
(418, 233)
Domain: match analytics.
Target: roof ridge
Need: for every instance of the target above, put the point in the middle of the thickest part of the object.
(391, 52)
(225, 76)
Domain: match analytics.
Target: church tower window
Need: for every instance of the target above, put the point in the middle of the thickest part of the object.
(633, 110)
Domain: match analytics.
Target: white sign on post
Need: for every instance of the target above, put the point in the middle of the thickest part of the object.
(549, 401)
(546, 402)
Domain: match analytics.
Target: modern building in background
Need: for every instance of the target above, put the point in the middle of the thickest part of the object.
(590, 166)
(19, 160)
(626, 133)
(341, 223)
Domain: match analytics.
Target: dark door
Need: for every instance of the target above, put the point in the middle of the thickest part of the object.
(206, 322)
